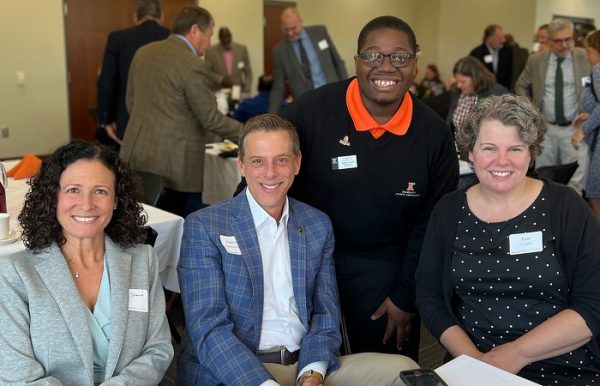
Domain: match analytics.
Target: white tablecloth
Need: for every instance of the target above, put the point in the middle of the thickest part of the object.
(221, 175)
(168, 226)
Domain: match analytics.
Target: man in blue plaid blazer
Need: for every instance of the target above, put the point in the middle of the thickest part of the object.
(258, 284)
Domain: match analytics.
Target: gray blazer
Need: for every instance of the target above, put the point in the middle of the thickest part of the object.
(45, 338)
(531, 81)
(287, 68)
(172, 108)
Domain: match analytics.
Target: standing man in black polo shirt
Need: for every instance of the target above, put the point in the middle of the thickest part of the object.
(376, 160)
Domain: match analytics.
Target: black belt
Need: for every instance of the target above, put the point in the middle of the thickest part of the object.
(561, 123)
(283, 357)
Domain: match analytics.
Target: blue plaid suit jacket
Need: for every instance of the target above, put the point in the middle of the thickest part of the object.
(222, 293)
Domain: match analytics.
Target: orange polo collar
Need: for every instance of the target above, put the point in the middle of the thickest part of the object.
(363, 121)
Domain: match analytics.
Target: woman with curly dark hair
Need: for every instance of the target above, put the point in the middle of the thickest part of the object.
(83, 304)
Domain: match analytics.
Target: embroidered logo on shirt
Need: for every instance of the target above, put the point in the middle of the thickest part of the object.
(409, 191)
(345, 141)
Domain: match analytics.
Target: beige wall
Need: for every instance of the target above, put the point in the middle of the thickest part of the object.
(37, 113)
(546, 9)
(462, 23)
(32, 41)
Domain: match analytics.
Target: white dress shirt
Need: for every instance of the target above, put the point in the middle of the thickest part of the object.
(281, 325)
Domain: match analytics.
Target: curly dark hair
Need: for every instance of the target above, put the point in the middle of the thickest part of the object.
(38, 217)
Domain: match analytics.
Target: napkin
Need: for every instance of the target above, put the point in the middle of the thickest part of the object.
(27, 167)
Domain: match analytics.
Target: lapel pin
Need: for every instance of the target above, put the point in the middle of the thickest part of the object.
(345, 141)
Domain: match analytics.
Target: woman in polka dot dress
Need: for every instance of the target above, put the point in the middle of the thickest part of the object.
(510, 267)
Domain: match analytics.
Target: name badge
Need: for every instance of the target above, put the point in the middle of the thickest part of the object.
(241, 65)
(230, 244)
(138, 300)
(323, 45)
(528, 242)
(344, 162)
(488, 59)
(586, 81)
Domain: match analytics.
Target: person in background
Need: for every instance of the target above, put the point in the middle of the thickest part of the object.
(553, 80)
(495, 55)
(540, 41)
(582, 32)
(173, 108)
(431, 85)
(258, 282)
(305, 59)
(375, 160)
(112, 82)
(587, 124)
(473, 83)
(520, 56)
(257, 105)
(509, 268)
(230, 63)
(83, 305)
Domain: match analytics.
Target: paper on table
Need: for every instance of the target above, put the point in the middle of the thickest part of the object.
(467, 371)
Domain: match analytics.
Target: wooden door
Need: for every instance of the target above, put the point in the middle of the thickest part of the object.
(87, 24)
(272, 33)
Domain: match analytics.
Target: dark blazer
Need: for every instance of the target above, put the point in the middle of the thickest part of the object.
(172, 110)
(222, 293)
(505, 63)
(288, 70)
(112, 82)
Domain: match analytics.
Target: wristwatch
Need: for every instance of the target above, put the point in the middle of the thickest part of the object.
(308, 374)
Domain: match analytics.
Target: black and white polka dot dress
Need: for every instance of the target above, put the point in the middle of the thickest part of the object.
(500, 296)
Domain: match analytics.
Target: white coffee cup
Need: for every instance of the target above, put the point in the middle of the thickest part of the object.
(4, 225)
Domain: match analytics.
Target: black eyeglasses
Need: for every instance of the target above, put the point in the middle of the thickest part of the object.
(565, 41)
(375, 59)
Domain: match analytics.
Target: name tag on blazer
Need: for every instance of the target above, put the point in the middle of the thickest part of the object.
(138, 300)
(230, 244)
(323, 45)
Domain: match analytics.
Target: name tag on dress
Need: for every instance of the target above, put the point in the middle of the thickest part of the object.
(528, 242)
(138, 300)
(344, 162)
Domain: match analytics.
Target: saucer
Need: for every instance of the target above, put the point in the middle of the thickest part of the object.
(13, 236)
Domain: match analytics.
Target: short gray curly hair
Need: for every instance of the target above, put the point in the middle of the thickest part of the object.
(510, 110)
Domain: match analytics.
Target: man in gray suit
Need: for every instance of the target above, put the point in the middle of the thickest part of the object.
(307, 59)
(553, 80)
(230, 62)
(171, 108)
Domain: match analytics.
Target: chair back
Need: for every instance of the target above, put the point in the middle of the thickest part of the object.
(151, 187)
(558, 173)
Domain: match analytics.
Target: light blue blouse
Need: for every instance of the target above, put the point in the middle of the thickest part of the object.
(100, 326)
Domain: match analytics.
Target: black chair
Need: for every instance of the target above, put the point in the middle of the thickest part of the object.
(558, 173)
(151, 235)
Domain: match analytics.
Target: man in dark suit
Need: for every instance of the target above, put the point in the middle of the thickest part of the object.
(258, 284)
(307, 59)
(495, 55)
(172, 107)
(112, 82)
(230, 62)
